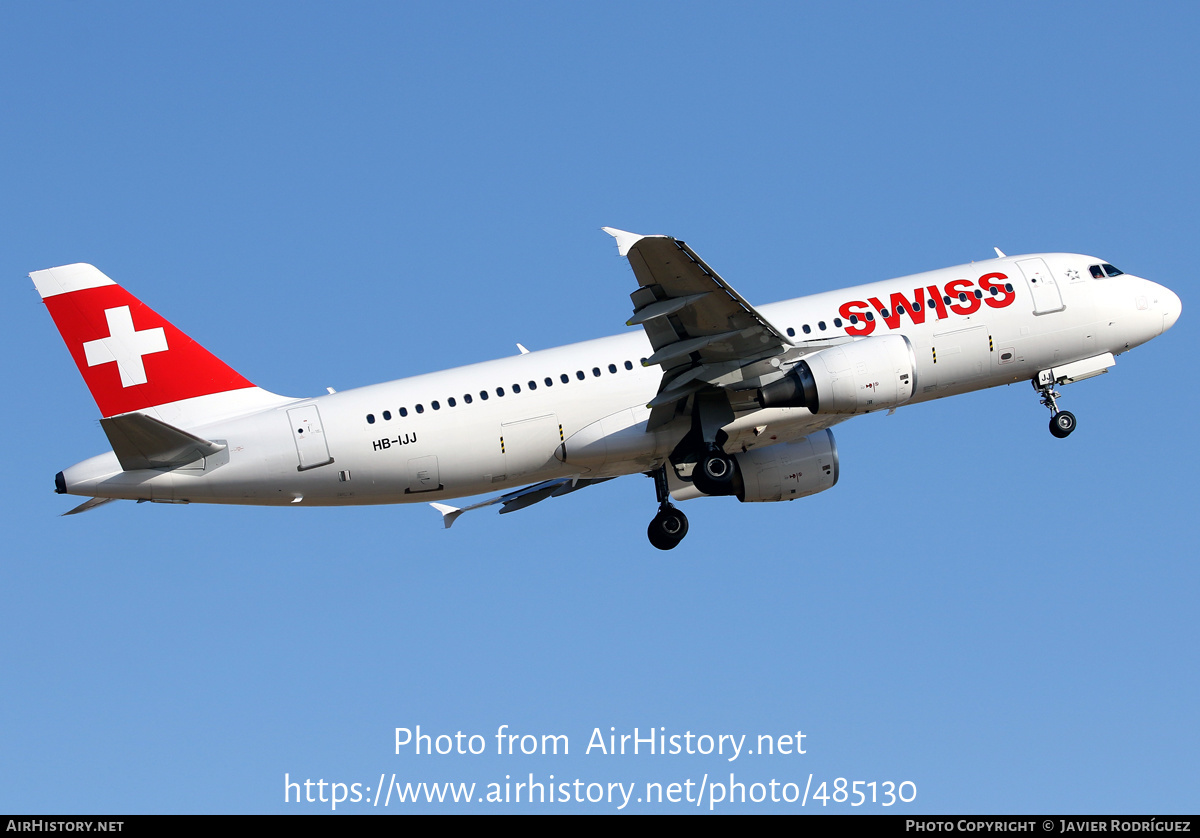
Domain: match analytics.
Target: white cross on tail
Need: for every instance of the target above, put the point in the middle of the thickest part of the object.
(125, 345)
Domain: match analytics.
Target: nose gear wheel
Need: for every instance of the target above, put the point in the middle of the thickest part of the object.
(1062, 422)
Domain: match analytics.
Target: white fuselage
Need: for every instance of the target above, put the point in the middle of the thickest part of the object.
(437, 436)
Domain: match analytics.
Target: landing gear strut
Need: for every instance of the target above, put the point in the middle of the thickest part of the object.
(713, 473)
(1062, 422)
(670, 525)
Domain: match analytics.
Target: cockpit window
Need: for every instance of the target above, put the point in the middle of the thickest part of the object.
(1097, 273)
(1110, 270)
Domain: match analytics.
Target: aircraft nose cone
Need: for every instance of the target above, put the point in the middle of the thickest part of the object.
(1172, 308)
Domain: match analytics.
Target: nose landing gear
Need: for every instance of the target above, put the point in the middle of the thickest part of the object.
(670, 525)
(1062, 422)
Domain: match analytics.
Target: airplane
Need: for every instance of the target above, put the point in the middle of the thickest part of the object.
(711, 396)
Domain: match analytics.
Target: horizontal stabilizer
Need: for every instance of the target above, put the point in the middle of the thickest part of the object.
(141, 441)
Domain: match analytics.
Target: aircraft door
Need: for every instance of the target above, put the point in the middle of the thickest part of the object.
(311, 447)
(1046, 296)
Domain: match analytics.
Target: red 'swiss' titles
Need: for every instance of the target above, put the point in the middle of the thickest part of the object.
(993, 289)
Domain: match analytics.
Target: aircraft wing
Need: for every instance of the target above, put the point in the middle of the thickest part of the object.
(700, 328)
(90, 503)
(520, 498)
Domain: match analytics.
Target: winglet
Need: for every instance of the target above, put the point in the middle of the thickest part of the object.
(449, 513)
(626, 240)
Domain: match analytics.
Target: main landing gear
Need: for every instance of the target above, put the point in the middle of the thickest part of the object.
(670, 525)
(713, 475)
(1062, 422)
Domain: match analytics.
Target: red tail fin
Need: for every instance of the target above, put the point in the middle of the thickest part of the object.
(130, 357)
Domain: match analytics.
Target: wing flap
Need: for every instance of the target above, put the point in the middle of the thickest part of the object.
(520, 498)
(662, 308)
(90, 503)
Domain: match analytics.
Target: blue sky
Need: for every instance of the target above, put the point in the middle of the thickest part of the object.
(339, 195)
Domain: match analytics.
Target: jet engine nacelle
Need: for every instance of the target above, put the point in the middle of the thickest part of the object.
(858, 377)
(787, 471)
